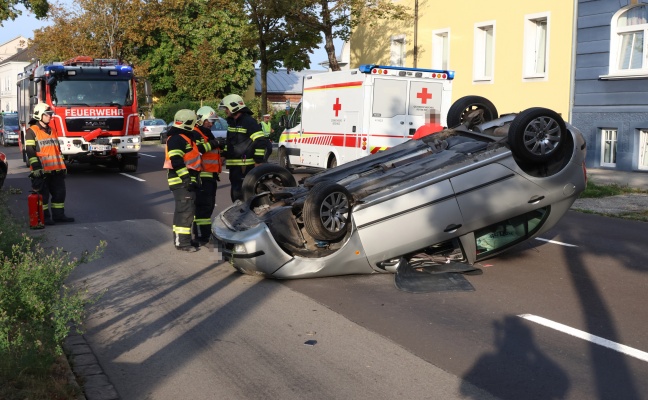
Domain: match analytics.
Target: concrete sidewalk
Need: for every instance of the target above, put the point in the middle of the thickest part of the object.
(633, 179)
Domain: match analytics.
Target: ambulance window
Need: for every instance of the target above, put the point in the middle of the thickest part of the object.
(295, 119)
(389, 98)
(424, 97)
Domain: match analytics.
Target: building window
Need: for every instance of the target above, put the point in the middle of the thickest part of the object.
(441, 49)
(398, 51)
(628, 41)
(608, 147)
(643, 149)
(536, 45)
(484, 52)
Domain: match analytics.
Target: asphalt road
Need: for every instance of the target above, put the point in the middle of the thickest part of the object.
(549, 320)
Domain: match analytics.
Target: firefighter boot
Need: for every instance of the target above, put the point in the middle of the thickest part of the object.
(48, 217)
(58, 215)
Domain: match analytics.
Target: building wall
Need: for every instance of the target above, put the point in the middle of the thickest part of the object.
(8, 90)
(508, 90)
(8, 49)
(601, 103)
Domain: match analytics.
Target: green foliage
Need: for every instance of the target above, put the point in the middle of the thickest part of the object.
(594, 190)
(167, 110)
(8, 9)
(37, 308)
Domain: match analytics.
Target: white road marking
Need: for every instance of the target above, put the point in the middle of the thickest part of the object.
(555, 242)
(642, 355)
(147, 155)
(132, 177)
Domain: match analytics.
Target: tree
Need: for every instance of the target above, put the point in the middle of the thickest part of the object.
(9, 10)
(277, 42)
(338, 18)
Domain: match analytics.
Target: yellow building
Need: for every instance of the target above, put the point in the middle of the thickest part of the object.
(518, 54)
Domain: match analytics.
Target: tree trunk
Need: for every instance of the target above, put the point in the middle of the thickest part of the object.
(328, 36)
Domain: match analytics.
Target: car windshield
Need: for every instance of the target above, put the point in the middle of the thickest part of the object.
(153, 122)
(11, 119)
(92, 93)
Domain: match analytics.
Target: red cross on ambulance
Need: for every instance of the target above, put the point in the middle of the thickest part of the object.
(424, 96)
(337, 106)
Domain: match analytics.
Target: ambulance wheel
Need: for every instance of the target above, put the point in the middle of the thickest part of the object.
(460, 109)
(332, 162)
(128, 164)
(266, 178)
(327, 211)
(284, 161)
(537, 134)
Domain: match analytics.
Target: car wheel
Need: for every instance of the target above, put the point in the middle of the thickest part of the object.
(265, 178)
(327, 211)
(460, 109)
(128, 164)
(284, 161)
(536, 135)
(332, 163)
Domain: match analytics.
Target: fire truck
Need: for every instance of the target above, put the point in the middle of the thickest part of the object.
(345, 115)
(95, 109)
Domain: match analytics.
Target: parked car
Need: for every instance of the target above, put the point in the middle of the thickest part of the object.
(9, 129)
(219, 129)
(463, 195)
(152, 128)
(4, 167)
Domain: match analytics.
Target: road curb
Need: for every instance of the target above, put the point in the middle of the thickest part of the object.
(89, 374)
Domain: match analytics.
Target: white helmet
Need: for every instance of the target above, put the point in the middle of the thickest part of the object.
(205, 113)
(185, 119)
(40, 109)
(232, 102)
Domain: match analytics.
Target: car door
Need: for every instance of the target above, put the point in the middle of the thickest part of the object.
(407, 221)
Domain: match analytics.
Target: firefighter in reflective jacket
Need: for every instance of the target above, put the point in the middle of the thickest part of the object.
(246, 143)
(210, 147)
(47, 165)
(182, 162)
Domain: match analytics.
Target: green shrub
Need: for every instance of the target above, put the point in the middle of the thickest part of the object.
(37, 308)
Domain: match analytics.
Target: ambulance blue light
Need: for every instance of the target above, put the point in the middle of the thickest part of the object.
(368, 68)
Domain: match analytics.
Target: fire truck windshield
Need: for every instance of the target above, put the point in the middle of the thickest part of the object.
(91, 93)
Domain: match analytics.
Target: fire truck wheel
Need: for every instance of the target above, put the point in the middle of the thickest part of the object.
(537, 135)
(284, 161)
(266, 178)
(460, 109)
(128, 164)
(327, 211)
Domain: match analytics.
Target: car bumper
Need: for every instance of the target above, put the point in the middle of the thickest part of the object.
(11, 139)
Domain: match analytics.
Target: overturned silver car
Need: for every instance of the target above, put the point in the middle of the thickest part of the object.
(463, 194)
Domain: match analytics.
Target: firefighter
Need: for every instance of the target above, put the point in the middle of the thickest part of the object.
(267, 131)
(210, 148)
(46, 164)
(182, 162)
(245, 143)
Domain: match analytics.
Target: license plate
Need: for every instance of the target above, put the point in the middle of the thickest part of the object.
(99, 147)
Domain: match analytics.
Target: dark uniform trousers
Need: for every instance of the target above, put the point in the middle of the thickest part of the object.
(205, 204)
(51, 184)
(183, 216)
(236, 175)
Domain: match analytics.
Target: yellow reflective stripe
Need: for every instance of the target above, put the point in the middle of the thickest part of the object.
(202, 221)
(182, 171)
(174, 181)
(207, 146)
(259, 152)
(204, 174)
(58, 205)
(45, 207)
(225, 148)
(182, 230)
(176, 152)
(30, 143)
(33, 160)
(257, 135)
(231, 162)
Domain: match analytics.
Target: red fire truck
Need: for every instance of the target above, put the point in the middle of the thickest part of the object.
(95, 109)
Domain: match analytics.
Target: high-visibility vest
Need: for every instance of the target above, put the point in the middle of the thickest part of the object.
(49, 152)
(211, 160)
(266, 127)
(191, 158)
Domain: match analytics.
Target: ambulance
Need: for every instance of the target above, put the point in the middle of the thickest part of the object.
(346, 115)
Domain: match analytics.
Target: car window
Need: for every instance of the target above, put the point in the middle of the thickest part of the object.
(159, 122)
(501, 235)
(219, 125)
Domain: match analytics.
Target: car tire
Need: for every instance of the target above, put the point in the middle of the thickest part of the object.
(332, 162)
(284, 161)
(327, 211)
(265, 176)
(128, 164)
(460, 109)
(537, 134)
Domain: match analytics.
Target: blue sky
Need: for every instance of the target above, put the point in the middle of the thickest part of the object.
(27, 23)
